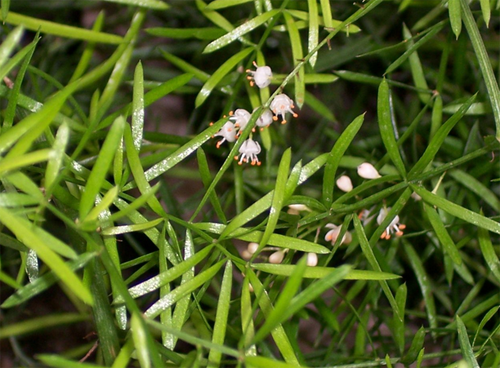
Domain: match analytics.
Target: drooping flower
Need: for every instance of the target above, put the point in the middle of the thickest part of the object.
(240, 118)
(249, 151)
(368, 171)
(312, 259)
(344, 183)
(281, 105)
(227, 132)
(393, 227)
(333, 234)
(261, 76)
(265, 119)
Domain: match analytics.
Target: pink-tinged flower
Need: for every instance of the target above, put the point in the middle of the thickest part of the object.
(368, 171)
(265, 119)
(228, 133)
(344, 183)
(261, 76)
(393, 227)
(333, 234)
(249, 151)
(281, 105)
(312, 259)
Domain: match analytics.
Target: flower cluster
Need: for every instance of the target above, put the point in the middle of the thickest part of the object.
(277, 256)
(238, 120)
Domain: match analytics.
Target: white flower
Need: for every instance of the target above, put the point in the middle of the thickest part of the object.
(261, 76)
(249, 151)
(393, 227)
(312, 259)
(367, 171)
(344, 183)
(281, 105)
(240, 118)
(333, 234)
(277, 257)
(295, 209)
(228, 133)
(265, 119)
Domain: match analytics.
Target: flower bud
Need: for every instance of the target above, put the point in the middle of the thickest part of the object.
(277, 257)
(367, 171)
(252, 247)
(344, 183)
(312, 259)
(295, 209)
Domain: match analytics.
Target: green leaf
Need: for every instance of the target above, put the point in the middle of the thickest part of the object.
(445, 239)
(236, 33)
(387, 126)
(221, 318)
(148, 4)
(61, 30)
(279, 313)
(372, 260)
(278, 333)
(297, 55)
(117, 230)
(221, 4)
(438, 139)
(56, 158)
(138, 107)
(40, 323)
(10, 43)
(416, 345)
(455, 13)
(475, 186)
(208, 33)
(399, 324)
(183, 290)
(327, 13)
(417, 71)
(424, 282)
(23, 230)
(465, 346)
(220, 73)
(312, 40)
(318, 272)
(457, 211)
(101, 167)
(5, 8)
(484, 63)
(140, 341)
(488, 252)
(336, 154)
(278, 197)
(486, 11)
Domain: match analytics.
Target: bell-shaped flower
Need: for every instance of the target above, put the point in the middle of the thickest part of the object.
(344, 183)
(261, 76)
(228, 133)
(368, 171)
(240, 118)
(249, 151)
(281, 105)
(265, 119)
(333, 234)
(393, 227)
